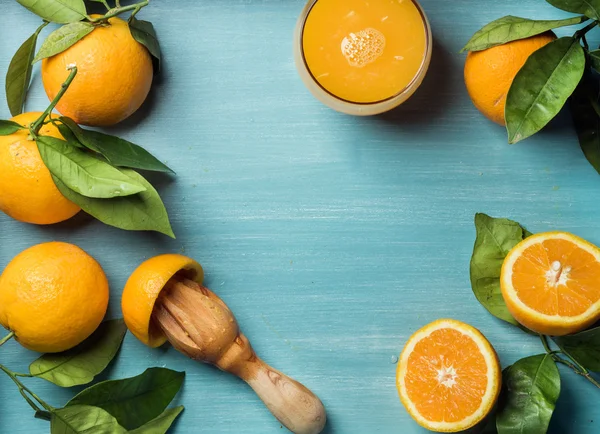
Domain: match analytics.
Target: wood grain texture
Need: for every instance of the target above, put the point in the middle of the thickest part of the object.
(332, 238)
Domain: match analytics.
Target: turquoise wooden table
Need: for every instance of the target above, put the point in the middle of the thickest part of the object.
(332, 238)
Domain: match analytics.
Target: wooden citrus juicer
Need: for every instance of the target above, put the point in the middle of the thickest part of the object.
(200, 325)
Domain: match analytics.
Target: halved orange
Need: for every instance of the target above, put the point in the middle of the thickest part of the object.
(448, 376)
(551, 283)
(143, 288)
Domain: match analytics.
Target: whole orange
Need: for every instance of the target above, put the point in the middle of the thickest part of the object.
(490, 73)
(52, 296)
(27, 192)
(114, 75)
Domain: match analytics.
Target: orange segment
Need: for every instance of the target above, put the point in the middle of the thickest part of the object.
(143, 287)
(551, 283)
(448, 376)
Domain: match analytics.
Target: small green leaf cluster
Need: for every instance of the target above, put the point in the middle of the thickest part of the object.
(565, 69)
(76, 24)
(531, 386)
(136, 405)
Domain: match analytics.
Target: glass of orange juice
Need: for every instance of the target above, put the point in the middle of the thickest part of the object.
(362, 57)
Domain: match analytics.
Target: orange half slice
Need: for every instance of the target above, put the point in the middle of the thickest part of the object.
(551, 283)
(448, 376)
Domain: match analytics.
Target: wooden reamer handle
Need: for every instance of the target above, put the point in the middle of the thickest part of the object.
(200, 325)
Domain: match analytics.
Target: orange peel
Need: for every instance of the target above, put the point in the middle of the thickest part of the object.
(143, 288)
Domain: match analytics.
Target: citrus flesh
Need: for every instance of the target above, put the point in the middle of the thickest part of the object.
(448, 376)
(551, 283)
(143, 288)
(114, 75)
(27, 191)
(52, 296)
(490, 73)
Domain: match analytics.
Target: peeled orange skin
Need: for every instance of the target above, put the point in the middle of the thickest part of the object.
(52, 296)
(114, 75)
(548, 308)
(143, 288)
(490, 73)
(27, 191)
(470, 358)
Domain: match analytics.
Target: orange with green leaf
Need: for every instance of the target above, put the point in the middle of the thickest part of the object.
(548, 285)
(519, 74)
(114, 57)
(97, 69)
(76, 168)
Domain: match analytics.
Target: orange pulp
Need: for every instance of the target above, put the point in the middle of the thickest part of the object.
(364, 51)
(557, 277)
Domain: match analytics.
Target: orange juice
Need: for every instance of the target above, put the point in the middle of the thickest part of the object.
(365, 51)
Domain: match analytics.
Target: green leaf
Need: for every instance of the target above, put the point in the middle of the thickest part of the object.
(144, 33)
(83, 419)
(18, 76)
(83, 173)
(594, 57)
(583, 347)
(590, 8)
(510, 28)
(63, 38)
(141, 212)
(531, 389)
(542, 86)
(68, 135)
(57, 11)
(160, 424)
(134, 401)
(585, 109)
(9, 127)
(495, 237)
(81, 364)
(117, 151)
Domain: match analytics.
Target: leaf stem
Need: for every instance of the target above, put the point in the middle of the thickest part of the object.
(581, 32)
(23, 390)
(585, 373)
(585, 43)
(39, 29)
(544, 340)
(106, 5)
(44, 415)
(31, 403)
(6, 338)
(579, 365)
(35, 127)
(133, 14)
(573, 364)
(118, 10)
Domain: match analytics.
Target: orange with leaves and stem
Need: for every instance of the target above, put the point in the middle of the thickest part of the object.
(114, 57)
(60, 168)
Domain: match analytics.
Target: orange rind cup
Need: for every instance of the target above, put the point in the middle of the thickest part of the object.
(143, 288)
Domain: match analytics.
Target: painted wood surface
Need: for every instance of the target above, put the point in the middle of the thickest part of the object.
(332, 238)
